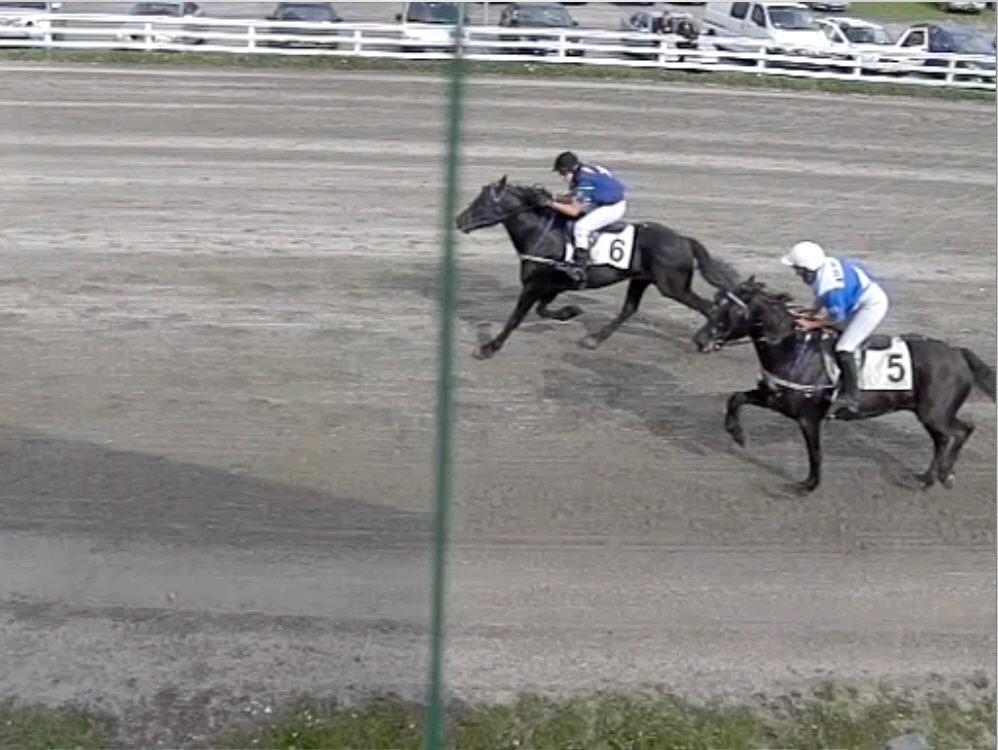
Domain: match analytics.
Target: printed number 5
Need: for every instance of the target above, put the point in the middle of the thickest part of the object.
(617, 250)
(895, 368)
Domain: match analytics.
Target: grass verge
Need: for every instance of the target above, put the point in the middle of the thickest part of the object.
(38, 728)
(917, 12)
(576, 72)
(829, 718)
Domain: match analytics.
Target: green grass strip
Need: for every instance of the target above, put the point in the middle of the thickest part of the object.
(830, 718)
(747, 80)
(39, 728)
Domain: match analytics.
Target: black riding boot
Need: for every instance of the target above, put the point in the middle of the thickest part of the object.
(847, 403)
(580, 264)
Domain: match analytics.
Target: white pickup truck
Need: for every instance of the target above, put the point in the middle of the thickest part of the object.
(781, 27)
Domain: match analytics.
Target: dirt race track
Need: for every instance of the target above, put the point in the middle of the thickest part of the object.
(218, 316)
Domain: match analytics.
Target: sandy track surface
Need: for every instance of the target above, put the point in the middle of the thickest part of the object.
(217, 307)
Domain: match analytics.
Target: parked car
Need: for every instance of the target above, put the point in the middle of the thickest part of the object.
(166, 34)
(429, 26)
(857, 36)
(925, 39)
(320, 18)
(831, 7)
(26, 20)
(962, 7)
(784, 28)
(539, 16)
(683, 28)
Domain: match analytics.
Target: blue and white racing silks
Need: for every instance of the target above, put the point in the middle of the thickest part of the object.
(840, 286)
(596, 185)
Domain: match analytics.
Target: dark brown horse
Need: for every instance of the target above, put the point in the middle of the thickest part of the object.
(796, 384)
(661, 257)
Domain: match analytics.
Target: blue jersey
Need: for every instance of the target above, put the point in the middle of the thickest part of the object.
(839, 285)
(593, 184)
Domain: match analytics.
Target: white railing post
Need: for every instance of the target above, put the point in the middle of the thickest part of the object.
(662, 46)
(251, 37)
(760, 64)
(857, 69)
(358, 41)
(561, 45)
(950, 67)
(147, 29)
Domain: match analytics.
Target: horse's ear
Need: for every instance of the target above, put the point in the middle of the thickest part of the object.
(502, 182)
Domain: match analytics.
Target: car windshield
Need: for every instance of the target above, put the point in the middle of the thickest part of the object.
(866, 35)
(306, 12)
(433, 13)
(544, 15)
(791, 18)
(24, 6)
(970, 43)
(156, 9)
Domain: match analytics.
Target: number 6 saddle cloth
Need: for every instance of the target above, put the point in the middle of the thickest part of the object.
(614, 246)
(884, 363)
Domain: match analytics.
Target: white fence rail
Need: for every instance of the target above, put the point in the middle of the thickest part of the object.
(498, 44)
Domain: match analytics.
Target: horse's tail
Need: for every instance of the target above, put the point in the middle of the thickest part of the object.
(715, 272)
(984, 376)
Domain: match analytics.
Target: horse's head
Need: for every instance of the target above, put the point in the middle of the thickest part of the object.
(745, 310)
(498, 201)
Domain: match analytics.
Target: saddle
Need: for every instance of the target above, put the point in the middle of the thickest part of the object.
(568, 229)
(877, 342)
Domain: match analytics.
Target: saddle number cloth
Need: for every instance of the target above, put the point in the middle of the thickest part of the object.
(611, 249)
(882, 369)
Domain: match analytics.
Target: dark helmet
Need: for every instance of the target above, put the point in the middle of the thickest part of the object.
(566, 162)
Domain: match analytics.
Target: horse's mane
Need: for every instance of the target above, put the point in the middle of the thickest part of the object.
(752, 289)
(535, 195)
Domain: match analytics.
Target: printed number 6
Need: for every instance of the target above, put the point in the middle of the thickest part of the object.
(895, 368)
(617, 250)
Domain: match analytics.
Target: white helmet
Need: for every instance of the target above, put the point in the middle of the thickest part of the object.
(807, 255)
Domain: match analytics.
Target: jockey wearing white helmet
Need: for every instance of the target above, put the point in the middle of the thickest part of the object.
(854, 302)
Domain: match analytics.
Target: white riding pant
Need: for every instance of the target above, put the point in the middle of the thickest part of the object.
(597, 219)
(872, 309)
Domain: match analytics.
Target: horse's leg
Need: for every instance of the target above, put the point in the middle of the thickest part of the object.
(939, 442)
(732, 423)
(562, 313)
(528, 296)
(677, 283)
(810, 427)
(958, 430)
(635, 290)
(963, 430)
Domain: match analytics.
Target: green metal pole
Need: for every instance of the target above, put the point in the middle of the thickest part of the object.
(435, 719)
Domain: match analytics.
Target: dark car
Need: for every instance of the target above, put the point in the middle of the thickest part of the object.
(926, 39)
(309, 13)
(538, 16)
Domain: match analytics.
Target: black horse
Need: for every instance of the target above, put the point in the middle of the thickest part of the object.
(661, 257)
(795, 382)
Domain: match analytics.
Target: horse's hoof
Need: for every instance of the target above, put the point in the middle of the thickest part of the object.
(483, 352)
(589, 342)
(803, 488)
(738, 435)
(948, 481)
(926, 480)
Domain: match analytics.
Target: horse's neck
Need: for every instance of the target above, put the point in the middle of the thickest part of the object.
(527, 230)
(782, 357)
